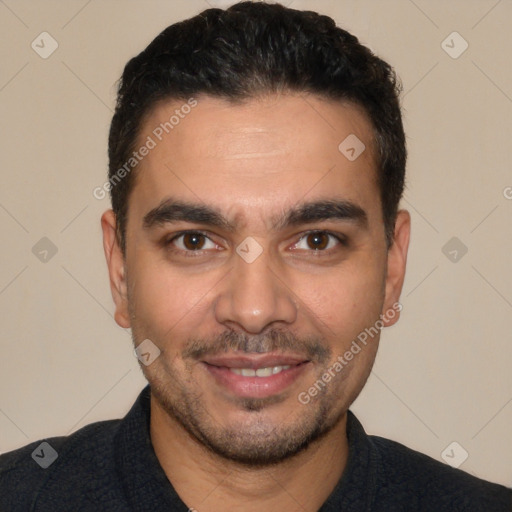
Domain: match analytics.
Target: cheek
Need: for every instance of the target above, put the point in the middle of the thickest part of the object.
(346, 299)
(165, 300)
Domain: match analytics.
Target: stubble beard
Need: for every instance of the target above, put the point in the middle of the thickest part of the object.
(259, 441)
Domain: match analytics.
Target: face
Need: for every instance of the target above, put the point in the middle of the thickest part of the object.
(255, 256)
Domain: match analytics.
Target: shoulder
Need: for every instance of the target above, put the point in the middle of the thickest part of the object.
(408, 473)
(79, 461)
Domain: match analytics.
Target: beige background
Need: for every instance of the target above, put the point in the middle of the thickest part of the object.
(442, 374)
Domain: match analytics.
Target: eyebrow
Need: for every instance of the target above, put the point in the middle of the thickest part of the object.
(171, 210)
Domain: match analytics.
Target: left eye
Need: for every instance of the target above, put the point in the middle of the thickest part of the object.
(318, 241)
(193, 241)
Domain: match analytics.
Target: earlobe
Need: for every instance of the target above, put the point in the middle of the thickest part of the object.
(397, 260)
(116, 268)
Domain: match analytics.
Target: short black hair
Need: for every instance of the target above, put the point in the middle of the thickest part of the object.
(250, 49)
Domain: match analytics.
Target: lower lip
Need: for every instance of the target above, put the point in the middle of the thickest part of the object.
(256, 387)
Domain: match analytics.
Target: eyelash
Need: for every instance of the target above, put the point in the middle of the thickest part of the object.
(189, 253)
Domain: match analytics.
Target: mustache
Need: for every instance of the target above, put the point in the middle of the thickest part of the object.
(311, 347)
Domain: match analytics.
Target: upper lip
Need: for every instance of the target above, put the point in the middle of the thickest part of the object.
(255, 361)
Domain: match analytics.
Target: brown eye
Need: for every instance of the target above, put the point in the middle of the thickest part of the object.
(322, 241)
(193, 241)
(317, 240)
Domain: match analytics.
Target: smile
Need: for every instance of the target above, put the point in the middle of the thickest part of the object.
(255, 376)
(260, 372)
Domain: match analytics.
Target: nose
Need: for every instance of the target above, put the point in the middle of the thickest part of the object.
(254, 296)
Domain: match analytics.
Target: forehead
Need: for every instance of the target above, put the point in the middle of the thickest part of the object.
(255, 157)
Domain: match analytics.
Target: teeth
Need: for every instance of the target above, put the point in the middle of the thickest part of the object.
(260, 372)
(264, 372)
(279, 369)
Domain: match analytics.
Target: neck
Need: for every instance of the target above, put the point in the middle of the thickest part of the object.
(208, 482)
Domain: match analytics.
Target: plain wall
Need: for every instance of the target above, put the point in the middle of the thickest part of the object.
(443, 373)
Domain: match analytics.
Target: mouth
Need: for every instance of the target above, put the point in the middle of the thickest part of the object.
(260, 372)
(257, 376)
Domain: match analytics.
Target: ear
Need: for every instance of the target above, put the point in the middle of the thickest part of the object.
(116, 268)
(397, 259)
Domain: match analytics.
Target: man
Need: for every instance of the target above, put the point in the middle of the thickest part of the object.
(256, 249)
